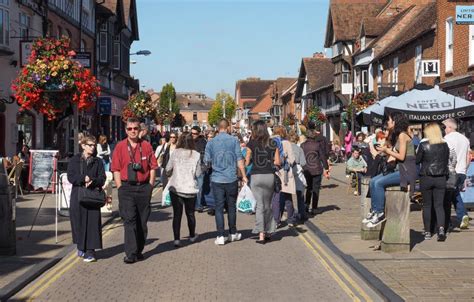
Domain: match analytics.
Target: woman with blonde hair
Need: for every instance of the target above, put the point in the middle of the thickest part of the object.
(433, 155)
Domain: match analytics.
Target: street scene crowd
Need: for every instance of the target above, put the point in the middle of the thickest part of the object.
(282, 169)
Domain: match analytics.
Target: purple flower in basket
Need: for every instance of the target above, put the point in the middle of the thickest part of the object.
(47, 77)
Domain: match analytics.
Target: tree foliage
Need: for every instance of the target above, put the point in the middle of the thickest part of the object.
(216, 112)
(167, 96)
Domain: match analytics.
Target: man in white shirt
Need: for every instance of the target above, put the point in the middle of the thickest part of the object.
(461, 145)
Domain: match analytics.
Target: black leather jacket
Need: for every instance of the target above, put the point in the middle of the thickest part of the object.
(433, 158)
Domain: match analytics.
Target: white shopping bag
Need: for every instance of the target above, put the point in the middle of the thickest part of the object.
(300, 173)
(245, 200)
(166, 197)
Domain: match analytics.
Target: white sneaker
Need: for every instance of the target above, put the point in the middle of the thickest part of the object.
(376, 220)
(368, 217)
(464, 222)
(235, 237)
(356, 193)
(220, 240)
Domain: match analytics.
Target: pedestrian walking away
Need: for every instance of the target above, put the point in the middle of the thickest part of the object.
(264, 156)
(433, 155)
(184, 169)
(315, 152)
(85, 170)
(461, 146)
(224, 156)
(134, 166)
(300, 179)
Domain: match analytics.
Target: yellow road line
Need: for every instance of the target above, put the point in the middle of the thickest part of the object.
(330, 270)
(48, 274)
(56, 272)
(340, 270)
(53, 279)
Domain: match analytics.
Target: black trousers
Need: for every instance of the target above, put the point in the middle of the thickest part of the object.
(433, 189)
(189, 204)
(312, 190)
(134, 208)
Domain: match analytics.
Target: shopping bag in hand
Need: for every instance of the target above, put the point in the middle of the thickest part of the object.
(166, 197)
(246, 201)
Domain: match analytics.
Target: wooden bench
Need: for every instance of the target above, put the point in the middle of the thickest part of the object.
(367, 233)
(396, 229)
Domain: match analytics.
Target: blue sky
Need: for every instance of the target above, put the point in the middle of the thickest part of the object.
(207, 45)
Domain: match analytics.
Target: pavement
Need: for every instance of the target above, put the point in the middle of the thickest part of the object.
(324, 260)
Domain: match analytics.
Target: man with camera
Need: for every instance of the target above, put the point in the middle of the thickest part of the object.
(134, 166)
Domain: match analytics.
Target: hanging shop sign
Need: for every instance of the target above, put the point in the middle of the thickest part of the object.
(430, 68)
(83, 58)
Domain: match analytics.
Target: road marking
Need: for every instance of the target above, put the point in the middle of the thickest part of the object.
(44, 277)
(320, 254)
(46, 280)
(42, 288)
(330, 270)
(341, 270)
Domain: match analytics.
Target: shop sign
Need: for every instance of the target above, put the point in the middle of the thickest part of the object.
(83, 58)
(430, 68)
(465, 14)
(105, 105)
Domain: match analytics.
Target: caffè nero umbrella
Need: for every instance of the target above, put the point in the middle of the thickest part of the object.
(373, 115)
(430, 105)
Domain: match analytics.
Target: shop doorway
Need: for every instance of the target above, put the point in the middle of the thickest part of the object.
(26, 129)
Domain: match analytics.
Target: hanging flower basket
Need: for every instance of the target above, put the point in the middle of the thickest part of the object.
(139, 105)
(289, 120)
(361, 101)
(314, 115)
(52, 80)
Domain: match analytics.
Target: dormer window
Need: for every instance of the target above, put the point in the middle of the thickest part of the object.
(362, 43)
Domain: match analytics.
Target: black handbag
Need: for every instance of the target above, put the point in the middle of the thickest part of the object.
(91, 198)
(277, 183)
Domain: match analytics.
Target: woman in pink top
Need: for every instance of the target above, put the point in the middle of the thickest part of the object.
(348, 143)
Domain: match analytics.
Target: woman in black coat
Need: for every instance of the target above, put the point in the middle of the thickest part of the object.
(433, 155)
(85, 170)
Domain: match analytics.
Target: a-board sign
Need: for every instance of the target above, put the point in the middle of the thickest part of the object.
(43, 164)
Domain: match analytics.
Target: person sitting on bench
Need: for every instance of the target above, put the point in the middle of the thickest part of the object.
(357, 166)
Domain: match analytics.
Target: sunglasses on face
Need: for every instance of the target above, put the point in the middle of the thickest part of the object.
(133, 128)
(194, 133)
(172, 136)
(90, 145)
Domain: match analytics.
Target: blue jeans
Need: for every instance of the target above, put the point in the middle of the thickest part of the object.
(106, 165)
(377, 189)
(458, 202)
(200, 183)
(286, 202)
(225, 193)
